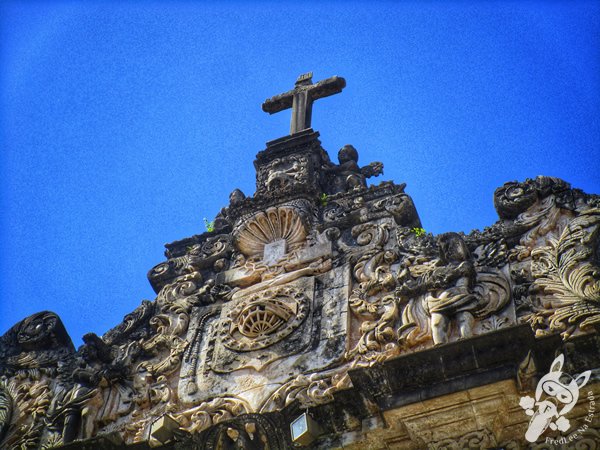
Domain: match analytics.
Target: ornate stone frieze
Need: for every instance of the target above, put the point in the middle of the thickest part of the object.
(474, 439)
(203, 253)
(369, 204)
(310, 289)
(566, 276)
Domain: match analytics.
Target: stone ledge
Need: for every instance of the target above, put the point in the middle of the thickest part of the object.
(450, 368)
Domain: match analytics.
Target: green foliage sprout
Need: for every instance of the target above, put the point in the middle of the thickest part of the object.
(323, 198)
(418, 232)
(210, 226)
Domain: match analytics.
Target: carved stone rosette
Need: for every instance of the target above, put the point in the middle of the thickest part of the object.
(265, 319)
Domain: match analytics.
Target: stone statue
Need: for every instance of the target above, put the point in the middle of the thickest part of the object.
(348, 175)
(236, 196)
(448, 288)
(95, 368)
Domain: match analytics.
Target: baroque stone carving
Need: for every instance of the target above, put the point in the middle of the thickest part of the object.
(30, 396)
(212, 412)
(283, 223)
(369, 300)
(285, 172)
(309, 295)
(265, 318)
(567, 271)
(376, 202)
(258, 329)
(248, 431)
(309, 390)
(473, 440)
(6, 410)
(198, 254)
(348, 175)
(454, 290)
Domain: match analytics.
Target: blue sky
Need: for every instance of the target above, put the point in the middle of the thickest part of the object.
(124, 124)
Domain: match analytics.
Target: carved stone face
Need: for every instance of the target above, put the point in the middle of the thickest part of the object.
(285, 173)
(453, 248)
(347, 153)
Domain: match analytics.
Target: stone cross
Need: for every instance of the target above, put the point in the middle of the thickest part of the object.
(301, 98)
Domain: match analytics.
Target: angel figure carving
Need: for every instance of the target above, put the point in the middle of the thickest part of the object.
(451, 288)
(348, 175)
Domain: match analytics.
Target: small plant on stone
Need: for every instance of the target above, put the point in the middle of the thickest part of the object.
(418, 232)
(210, 226)
(323, 199)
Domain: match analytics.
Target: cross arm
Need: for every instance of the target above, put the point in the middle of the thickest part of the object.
(327, 87)
(278, 102)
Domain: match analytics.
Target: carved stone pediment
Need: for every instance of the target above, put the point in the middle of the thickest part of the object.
(323, 294)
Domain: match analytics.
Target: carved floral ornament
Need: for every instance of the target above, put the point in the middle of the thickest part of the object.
(6, 410)
(566, 275)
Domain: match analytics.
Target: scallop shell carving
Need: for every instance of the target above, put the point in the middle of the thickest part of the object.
(261, 318)
(283, 222)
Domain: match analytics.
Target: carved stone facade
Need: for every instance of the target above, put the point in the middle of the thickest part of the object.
(320, 293)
